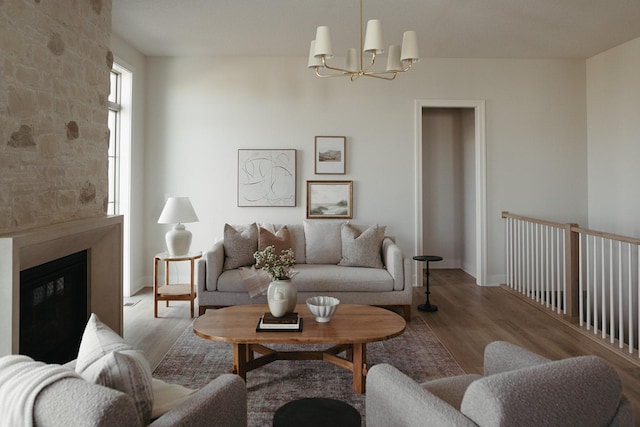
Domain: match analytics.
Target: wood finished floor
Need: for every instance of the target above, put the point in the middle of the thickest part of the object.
(469, 317)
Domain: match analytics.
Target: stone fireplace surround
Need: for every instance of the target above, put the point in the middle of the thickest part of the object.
(100, 236)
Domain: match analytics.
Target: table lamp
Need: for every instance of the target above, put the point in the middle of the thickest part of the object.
(177, 211)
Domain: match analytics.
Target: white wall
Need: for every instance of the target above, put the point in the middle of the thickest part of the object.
(201, 110)
(613, 109)
(134, 222)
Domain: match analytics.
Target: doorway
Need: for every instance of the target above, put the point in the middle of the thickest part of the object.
(450, 185)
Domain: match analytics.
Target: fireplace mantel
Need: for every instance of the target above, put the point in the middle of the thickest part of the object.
(100, 236)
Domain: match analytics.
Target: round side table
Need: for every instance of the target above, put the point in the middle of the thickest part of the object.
(427, 306)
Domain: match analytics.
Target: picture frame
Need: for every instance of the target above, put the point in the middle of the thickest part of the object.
(267, 177)
(330, 155)
(329, 199)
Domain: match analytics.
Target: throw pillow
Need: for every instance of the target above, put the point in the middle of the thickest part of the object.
(322, 242)
(104, 358)
(281, 240)
(240, 242)
(129, 372)
(361, 249)
(97, 340)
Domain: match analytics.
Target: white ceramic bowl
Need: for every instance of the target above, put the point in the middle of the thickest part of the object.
(322, 307)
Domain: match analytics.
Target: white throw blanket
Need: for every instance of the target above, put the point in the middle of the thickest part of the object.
(21, 379)
(256, 280)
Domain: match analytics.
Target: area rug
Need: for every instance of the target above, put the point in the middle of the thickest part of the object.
(194, 361)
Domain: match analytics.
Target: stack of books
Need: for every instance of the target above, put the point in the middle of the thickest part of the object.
(290, 322)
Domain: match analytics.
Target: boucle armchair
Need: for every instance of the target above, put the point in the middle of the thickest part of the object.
(519, 388)
(74, 402)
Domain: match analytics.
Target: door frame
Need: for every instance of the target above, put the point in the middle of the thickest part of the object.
(480, 178)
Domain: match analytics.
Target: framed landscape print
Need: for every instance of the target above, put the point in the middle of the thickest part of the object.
(329, 199)
(266, 177)
(330, 155)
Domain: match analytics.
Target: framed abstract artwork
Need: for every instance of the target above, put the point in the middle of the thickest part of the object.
(330, 155)
(329, 199)
(266, 177)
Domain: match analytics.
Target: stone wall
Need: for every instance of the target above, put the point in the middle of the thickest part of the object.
(55, 61)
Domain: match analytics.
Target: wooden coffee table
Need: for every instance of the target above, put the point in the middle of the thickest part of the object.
(350, 329)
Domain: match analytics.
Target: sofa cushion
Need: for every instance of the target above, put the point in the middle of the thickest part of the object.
(240, 243)
(129, 372)
(361, 248)
(451, 389)
(319, 278)
(104, 358)
(167, 396)
(323, 242)
(279, 239)
(97, 340)
(296, 235)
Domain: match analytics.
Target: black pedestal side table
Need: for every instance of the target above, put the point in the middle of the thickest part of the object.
(427, 306)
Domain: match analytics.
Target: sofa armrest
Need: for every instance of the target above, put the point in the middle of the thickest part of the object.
(222, 402)
(393, 261)
(394, 399)
(209, 268)
(501, 356)
(74, 401)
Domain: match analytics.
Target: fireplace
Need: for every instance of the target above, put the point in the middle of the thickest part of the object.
(53, 308)
(99, 238)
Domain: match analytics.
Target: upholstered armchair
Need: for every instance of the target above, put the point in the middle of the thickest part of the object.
(519, 388)
(75, 402)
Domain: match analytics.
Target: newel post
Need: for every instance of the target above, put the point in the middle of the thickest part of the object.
(571, 268)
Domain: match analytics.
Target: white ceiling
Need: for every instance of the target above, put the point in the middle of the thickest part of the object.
(446, 28)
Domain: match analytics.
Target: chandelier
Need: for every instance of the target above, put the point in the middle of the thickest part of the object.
(399, 59)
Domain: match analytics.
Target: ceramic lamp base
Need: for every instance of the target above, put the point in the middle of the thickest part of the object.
(178, 240)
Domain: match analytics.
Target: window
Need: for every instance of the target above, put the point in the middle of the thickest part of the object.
(120, 105)
(115, 108)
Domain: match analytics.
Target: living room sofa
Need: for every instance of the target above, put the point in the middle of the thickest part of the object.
(356, 264)
(519, 388)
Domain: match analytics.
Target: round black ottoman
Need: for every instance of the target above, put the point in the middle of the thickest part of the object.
(316, 412)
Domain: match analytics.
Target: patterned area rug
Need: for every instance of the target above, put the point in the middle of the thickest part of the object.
(194, 361)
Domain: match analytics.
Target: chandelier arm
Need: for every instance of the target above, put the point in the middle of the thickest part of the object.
(328, 75)
(381, 75)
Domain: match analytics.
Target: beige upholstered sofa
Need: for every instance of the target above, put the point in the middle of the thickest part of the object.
(354, 263)
(519, 388)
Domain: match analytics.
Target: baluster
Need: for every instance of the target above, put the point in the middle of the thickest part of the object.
(611, 311)
(630, 297)
(620, 320)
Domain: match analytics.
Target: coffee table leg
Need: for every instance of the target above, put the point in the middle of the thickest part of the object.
(359, 363)
(240, 360)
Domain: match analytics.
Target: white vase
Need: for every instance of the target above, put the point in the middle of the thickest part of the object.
(282, 297)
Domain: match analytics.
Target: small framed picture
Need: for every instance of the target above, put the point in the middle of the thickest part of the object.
(330, 155)
(329, 199)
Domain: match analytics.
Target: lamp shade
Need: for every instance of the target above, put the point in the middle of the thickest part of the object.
(393, 61)
(352, 60)
(323, 43)
(313, 61)
(410, 47)
(177, 210)
(373, 39)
